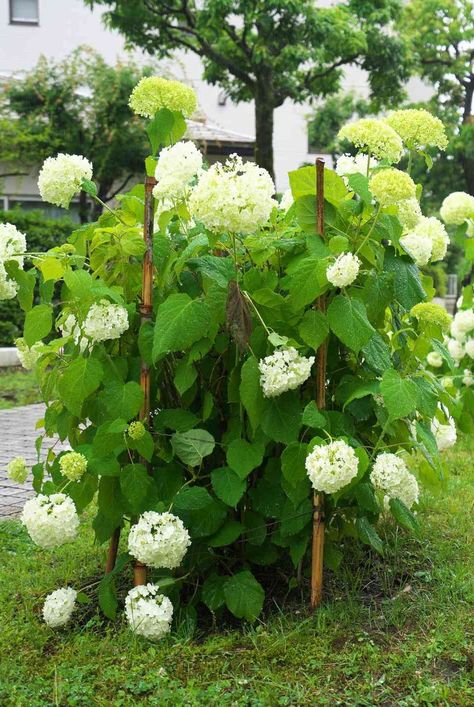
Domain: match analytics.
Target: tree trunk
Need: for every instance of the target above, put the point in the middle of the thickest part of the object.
(264, 107)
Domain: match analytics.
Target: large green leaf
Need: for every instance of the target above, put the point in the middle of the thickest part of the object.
(80, 379)
(38, 323)
(192, 446)
(313, 328)
(227, 485)
(123, 400)
(400, 394)
(180, 322)
(212, 592)
(348, 320)
(227, 534)
(244, 457)
(83, 491)
(307, 280)
(303, 182)
(221, 270)
(404, 516)
(251, 392)
(281, 418)
(377, 293)
(293, 462)
(244, 596)
(313, 417)
(408, 287)
(377, 354)
(368, 534)
(166, 128)
(137, 487)
(201, 514)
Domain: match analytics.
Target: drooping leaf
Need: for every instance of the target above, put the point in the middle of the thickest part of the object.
(123, 400)
(368, 534)
(293, 462)
(212, 592)
(404, 516)
(80, 379)
(408, 288)
(38, 323)
(228, 534)
(243, 457)
(180, 322)
(228, 486)
(192, 446)
(348, 320)
(201, 514)
(313, 328)
(251, 392)
(244, 596)
(313, 417)
(400, 394)
(281, 418)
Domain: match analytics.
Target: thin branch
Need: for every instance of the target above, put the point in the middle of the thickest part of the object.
(117, 191)
(14, 174)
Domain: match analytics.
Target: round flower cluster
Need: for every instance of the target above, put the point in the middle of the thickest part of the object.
(136, 430)
(436, 232)
(286, 200)
(58, 606)
(409, 213)
(375, 137)
(445, 435)
(431, 313)
(71, 328)
(390, 475)
(12, 246)
(17, 470)
(28, 355)
(434, 359)
(50, 520)
(344, 270)
(469, 348)
(418, 247)
(332, 466)
(148, 613)
(175, 168)
(61, 178)
(153, 93)
(462, 324)
(468, 378)
(284, 370)
(73, 465)
(456, 349)
(235, 196)
(418, 128)
(457, 208)
(159, 540)
(105, 321)
(347, 165)
(389, 186)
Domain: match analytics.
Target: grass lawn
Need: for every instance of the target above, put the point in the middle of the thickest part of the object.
(17, 387)
(394, 632)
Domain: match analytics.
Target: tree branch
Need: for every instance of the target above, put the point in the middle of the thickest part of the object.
(119, 189)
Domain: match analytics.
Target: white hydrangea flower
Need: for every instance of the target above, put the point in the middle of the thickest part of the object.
(344, 270)
(445, 435)
(456, 349)
(434, 229)
(409, 213)
(148, 613)
(61, 178)
(159, 540)
(462, 324)
(390, 474)
(284, 370)
(435, 359)
(70, 328)
(73, 465)
(332, 466)
(50, 520)
(468, 378)
(233, 197)
(469, 348)
(12, 247)
(105, 321)
(59, 606)
(457, 208)
(418, 247)
(28, 355)
(286, 200)
(347, 165)
(17, 470)
(176, 167)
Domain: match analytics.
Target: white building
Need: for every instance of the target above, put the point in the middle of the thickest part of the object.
(30, 28)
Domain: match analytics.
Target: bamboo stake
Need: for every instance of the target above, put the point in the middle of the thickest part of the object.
(146, 311)
(318, 498)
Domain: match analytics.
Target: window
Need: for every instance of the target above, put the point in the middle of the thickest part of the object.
(24, 12)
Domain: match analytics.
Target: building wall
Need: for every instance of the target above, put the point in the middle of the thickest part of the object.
(66, 24)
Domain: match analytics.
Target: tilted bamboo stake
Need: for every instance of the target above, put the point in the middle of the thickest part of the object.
(146, 310)
(321, 358)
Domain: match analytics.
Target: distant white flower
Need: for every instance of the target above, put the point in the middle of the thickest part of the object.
(70, 328)
(374, 137)
(418, 247)
(347, 165)
(409, 213)
(61, 178)
(418, 128)
(28, 355)
(457, 208)
(390, 475)
(456, 349)
(445, 435)
(468, 378)
(159, 540)
(284, 370)
(469, 347)
(59, 606)
(435, 359)
(105, 321)
(12, 248)
(152, 93)
(17, 470)
(176, 167)
(50, 520)
(332, 466)
(286, 200)
(436, 232)
(462, 324)
(344, 270)
(233, 197)
(148, 613)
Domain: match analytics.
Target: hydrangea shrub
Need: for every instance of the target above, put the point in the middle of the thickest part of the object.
(218, 483)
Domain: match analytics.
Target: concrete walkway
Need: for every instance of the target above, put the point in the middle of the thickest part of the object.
(17, 438)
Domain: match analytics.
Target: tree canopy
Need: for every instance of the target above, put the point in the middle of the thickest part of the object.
(270, 50)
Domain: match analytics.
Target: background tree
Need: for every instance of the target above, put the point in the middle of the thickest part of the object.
(79, 105)
(270, 50)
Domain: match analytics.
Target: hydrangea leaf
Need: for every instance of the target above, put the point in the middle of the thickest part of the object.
(227, 485)
(228, 534)
(80, 379)
(137, 488)
(180, 321)
(38, 323)
(313, 417)
(251, 392)
(408, 287)
(293, 462)
(404, 516)
(400, 394)
(201, 514)
(377, 354)
(368, 534)
(243, 457)
(122, 400)
(192, 446)
(281, 418)
(313, 328)
(348, 320)
(212, 592)
(244, 596)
